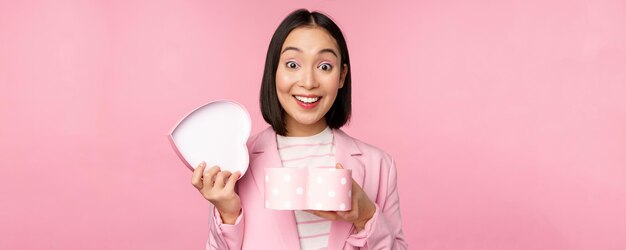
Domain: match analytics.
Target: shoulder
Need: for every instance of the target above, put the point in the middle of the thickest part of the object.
(260, 137)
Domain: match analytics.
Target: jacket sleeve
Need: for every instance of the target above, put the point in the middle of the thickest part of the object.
(224, 236)
(384, 229)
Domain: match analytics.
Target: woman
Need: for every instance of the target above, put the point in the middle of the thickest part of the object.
(305, 97)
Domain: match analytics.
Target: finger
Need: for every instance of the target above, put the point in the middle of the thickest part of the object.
(329, 215)
(196, 178)
(353, 213)
(230, 184)
(347, 215)
(209, 177)
(221, 177)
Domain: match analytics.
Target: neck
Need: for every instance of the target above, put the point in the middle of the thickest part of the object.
(295, 129)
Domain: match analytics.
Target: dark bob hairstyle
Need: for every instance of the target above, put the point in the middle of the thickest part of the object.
(273, 112)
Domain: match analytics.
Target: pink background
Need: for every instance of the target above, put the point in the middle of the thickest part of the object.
(507, 119)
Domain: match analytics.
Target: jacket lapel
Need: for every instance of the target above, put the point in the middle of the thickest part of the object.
(346, 153)
(264, 153)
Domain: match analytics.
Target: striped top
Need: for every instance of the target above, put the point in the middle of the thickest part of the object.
(309, 152)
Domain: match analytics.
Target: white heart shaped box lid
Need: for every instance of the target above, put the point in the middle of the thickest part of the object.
(216, 133)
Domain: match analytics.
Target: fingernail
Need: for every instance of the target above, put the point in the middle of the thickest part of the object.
(203, 164)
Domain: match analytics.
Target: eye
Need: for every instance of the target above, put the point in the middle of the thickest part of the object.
(325, 66)
(292, 65)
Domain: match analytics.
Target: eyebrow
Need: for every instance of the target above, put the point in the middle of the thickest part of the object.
(326, 50)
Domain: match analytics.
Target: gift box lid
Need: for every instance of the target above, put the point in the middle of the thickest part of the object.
(216, 133)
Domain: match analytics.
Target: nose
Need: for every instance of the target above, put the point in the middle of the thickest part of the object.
(308, 80)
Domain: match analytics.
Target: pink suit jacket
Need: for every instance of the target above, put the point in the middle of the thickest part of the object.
(261, 228)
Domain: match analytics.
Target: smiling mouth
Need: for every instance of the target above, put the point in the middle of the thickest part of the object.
(307, 100)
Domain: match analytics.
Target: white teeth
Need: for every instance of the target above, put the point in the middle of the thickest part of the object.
(307, 99)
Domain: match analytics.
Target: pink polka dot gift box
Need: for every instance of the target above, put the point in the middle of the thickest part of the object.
(327, 189)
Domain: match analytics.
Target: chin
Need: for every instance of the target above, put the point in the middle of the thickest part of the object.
(308, 121)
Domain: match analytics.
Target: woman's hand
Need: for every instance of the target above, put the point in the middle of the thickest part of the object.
(218, 187)
(362, 208)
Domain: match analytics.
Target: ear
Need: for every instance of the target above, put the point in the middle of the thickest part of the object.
(344, 72)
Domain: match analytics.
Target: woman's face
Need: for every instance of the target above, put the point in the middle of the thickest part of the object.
(308, 77)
